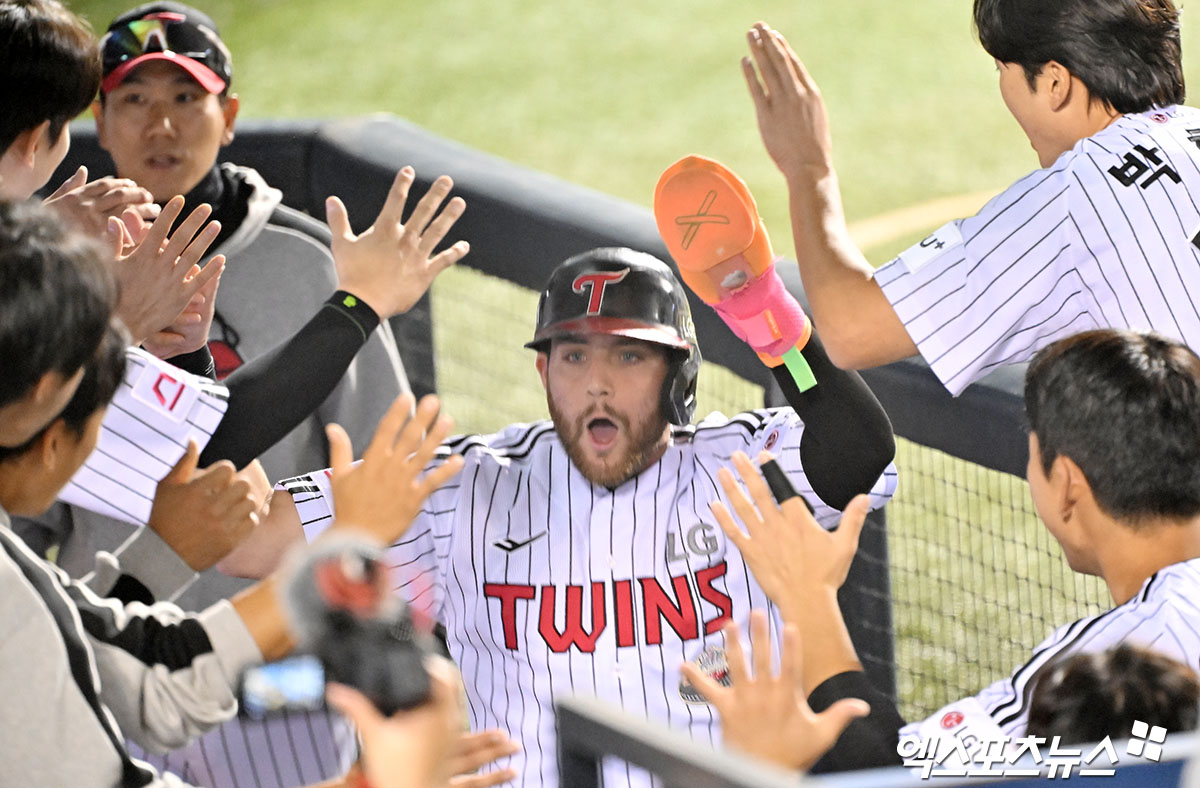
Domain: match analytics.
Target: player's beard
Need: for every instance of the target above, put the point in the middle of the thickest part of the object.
(644, 443)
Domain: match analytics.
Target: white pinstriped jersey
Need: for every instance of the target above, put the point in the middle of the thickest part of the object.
(145, 431)
(1107, 236)
(549, 585)
(1164, 615)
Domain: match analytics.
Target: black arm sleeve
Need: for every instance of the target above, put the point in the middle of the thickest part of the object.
(847, 441)
(198, 362)
(270, 395)
(869, 742)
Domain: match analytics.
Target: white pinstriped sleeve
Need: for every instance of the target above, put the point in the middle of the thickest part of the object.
(991, 289)
(416, 560)
(157, 409)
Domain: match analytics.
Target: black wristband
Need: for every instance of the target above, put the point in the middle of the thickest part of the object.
(357, 310)
(198, 362)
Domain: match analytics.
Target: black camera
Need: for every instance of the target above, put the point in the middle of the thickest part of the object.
(342, 609)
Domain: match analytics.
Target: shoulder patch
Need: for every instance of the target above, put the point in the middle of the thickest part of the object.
(933, 246)
(165, 392)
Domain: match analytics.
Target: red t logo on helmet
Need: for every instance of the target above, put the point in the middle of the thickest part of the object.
(596, 282)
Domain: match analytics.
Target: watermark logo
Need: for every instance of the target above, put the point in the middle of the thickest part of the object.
(1024, 756)
(1146, 742)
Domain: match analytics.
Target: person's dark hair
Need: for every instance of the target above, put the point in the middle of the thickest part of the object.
(1127, 52)
(1125, 407)
(100, 381)
(56, 298)
(49, 67)
(1089, 696)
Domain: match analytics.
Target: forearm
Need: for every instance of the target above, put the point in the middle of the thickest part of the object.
(849, 309)
(847, 441)
(827, 648)
(269, 396)
(260, 611)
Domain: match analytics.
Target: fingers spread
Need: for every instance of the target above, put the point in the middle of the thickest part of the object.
(338, 219)
(187, 231)
(427, 205)
(436, 231)
(162, 225)
(449, 257)
(393, 208)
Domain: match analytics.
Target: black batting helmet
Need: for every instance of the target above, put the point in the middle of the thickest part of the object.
(630, 294)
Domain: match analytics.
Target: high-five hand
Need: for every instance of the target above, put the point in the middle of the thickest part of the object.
(389, 265)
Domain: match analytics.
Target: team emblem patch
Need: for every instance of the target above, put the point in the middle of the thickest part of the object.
(166, 394)
(712, 661)
(952, 720)
(772, 439)
(1160, 117)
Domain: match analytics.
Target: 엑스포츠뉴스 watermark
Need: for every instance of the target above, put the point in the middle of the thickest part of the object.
(1027, 756)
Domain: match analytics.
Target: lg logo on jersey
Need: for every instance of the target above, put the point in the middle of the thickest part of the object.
(638, 610)
(699, 540)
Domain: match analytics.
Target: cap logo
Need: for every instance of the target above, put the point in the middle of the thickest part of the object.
(595, 283)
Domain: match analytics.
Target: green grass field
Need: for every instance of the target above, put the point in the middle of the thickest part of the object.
(607, 95)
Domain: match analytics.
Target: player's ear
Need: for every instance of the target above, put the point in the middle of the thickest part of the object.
(51, 445)
(25, 147)
(541, 363)
(229, 106)
(1058, 83)
(1071, 488)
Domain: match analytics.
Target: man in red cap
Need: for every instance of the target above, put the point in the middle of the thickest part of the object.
(165, 111)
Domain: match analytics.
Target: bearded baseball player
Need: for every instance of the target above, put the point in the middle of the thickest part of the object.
(1105, 234)
(579, 555)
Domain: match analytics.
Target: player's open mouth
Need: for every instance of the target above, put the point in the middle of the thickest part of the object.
(161, 161)
(602, 431)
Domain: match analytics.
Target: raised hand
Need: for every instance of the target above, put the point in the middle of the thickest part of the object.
(389, 265)
(159, 277)
(383, 493)
(766, 715)
(190, 330)
(791, 555)
(204, 514)
(88, 206)
(791, 113)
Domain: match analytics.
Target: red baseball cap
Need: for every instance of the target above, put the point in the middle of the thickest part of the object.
(172, 32)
